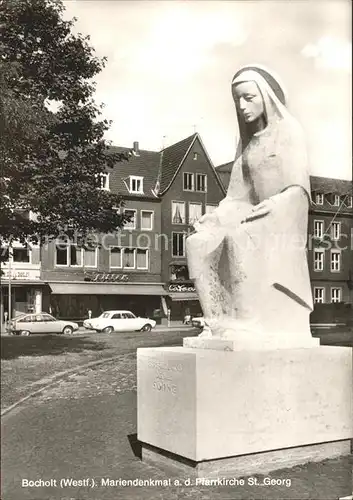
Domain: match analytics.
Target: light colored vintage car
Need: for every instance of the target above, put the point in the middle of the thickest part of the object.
(28, 324)
(119, 321)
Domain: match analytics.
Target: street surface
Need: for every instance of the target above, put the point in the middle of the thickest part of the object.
(84, 427)
(29, 362)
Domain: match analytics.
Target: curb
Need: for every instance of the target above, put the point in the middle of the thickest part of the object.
(55, 379)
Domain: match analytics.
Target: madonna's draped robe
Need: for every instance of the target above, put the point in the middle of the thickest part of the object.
(253, 277)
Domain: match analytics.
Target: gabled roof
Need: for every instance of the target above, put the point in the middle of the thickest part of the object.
(158, 169)
(146, 165)
(326, 185)
(172, 158)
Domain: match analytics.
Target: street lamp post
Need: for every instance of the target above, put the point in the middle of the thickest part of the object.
(10, 287)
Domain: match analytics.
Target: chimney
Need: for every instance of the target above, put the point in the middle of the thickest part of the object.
(136, 150)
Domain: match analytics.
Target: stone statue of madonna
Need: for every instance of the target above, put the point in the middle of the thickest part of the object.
(248, 257)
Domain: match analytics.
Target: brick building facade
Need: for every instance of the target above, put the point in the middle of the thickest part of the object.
(143, 266)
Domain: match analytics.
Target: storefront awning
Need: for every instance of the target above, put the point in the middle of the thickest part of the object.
(183, 296)
(107, 289)
(5, 282)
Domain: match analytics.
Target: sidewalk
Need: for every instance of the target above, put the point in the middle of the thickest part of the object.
(174, 325)
(85, 428)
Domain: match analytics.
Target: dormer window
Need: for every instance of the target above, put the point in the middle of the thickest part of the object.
(336, 200)
(103, 181)
(136, 184)
(319, 199)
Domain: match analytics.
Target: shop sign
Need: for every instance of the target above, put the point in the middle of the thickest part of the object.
(22, 274)
(181, 288)
(104, 277)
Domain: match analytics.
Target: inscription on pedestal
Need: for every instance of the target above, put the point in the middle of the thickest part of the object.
(165, 375)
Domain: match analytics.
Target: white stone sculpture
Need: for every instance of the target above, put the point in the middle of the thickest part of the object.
(248, 257)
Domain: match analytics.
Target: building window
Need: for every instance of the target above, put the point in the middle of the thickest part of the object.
(21, 214)
(318, 260)
(179, 273)
(210, 208)
(336, 294)
(146, 220)
(335, 261)
(115, 258)
(336, 200)
(90, 257)
(129, 258)
(178, 212)
(141, 258)
(319, 199)
(75, 256)
(61, 255)
(201, 182)
(336, 230)
(136, 184)
(195, 157)
(319, 295)
(21, 255)
(318, 228)
(188, 182)
(103, 181)
(178, 248)
(195, 212)
(349, 202)
(132, 215)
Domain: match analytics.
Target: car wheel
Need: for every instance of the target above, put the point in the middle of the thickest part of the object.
(25, 333)
(146, 328)
(67, 330)
(108, 329)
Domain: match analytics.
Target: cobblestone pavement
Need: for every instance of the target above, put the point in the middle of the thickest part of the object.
(108, 379)
(29, 363)
(85, 427)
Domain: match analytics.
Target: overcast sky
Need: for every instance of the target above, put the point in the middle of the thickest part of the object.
(170, 64)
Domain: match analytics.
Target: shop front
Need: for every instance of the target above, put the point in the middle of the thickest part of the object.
(22, 293)
(80, 299)
(182, 300)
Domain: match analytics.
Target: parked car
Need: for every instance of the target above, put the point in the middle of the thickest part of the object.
(119, 321)
(198, 322)
(28, 324)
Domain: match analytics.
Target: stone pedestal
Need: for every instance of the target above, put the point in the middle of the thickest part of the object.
(211, 410)
(246, 342)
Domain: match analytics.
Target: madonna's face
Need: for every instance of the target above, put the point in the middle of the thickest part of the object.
(248, 100)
